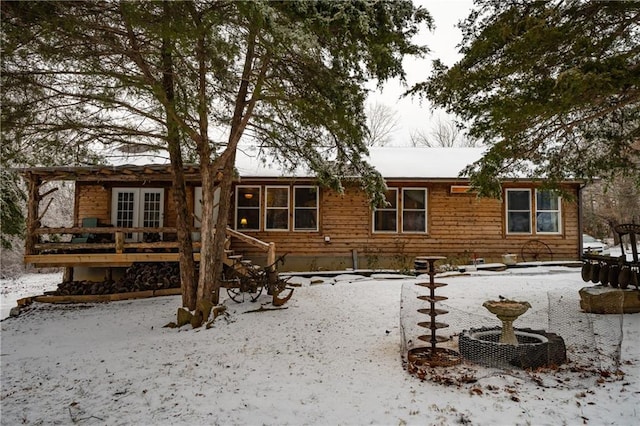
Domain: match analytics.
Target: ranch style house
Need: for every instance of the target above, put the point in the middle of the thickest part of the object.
(124, 214)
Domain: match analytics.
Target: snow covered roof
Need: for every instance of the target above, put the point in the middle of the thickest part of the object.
(408, 162)
(391, 162)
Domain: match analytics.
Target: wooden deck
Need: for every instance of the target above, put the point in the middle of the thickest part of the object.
(119, 253)
(55, 260)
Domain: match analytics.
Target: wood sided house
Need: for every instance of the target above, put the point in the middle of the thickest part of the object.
(125, 214)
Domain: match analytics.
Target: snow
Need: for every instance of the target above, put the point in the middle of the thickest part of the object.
(26, 285)
(417, 162)
(332, 356)
(391, 162)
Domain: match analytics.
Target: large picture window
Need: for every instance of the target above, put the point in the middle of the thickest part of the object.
(137, 208)
(305, 205)
(248, 208)
(414, 210)
(548, 212)
(277, 208)
(518, 211)
(385, 219)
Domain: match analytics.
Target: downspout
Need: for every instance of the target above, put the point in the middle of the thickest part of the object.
(580, 220)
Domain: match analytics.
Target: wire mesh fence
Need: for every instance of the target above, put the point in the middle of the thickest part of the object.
(554, 334)
(592, 340)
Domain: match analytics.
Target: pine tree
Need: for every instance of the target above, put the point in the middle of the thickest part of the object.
(196, 77)
(552, 87)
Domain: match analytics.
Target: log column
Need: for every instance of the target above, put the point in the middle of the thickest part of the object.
(33, 203)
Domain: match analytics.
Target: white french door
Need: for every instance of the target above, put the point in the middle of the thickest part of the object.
(137, 207)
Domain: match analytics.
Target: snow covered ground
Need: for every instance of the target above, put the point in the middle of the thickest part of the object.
(331, 357)
(12, 289)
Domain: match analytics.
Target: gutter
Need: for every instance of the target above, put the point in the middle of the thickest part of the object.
(580, 219)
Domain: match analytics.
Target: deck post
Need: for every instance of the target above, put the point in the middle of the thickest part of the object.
(67, 274)
(119, 242)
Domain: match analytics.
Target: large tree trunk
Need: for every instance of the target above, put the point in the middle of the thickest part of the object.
(214, 234)
(183, 219)
(187, 264)
(208, 257)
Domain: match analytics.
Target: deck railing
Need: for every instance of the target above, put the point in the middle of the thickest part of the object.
(112, 240)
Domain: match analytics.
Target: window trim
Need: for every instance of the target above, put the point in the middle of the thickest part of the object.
(259, 208)
(316, 209)
(558, 211)
(426, 194)
(396, 209)
(507, 211)
(267, 208)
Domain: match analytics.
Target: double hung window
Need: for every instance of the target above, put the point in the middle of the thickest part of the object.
(548, 212)
(518, 211)
(277, 208)
(305, 208)
(385, 219)
(414, 210)
(248, 208)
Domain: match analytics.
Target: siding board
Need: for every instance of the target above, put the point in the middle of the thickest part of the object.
(458, 226)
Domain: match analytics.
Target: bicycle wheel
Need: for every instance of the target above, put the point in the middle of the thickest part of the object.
(536, 251)
(233, 283)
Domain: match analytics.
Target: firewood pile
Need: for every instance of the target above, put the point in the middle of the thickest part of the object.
(138, 277)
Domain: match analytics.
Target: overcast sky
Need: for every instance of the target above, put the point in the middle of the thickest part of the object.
(414, 114)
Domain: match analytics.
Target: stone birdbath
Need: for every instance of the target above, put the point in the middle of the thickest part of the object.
(507, 311)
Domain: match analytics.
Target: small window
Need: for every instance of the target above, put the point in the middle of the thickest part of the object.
(414, 210)
(547, 212)
(385, 219)
(248, 208)
(305, 205)
(277, 208)
(518, 211)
